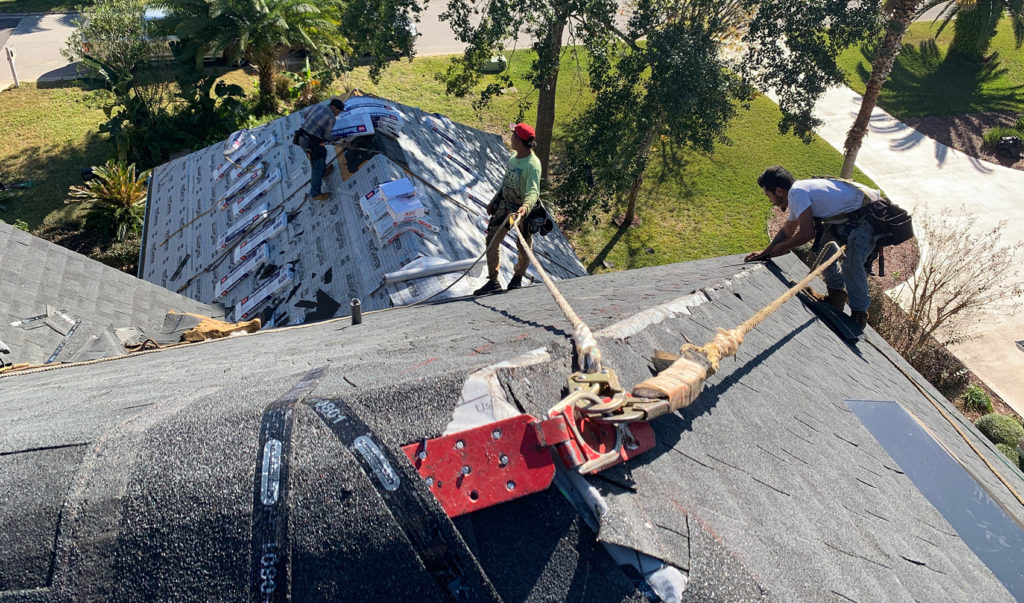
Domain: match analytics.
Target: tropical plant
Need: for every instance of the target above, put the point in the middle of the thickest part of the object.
(259, 31)
(975, 21)
(308, 87)
(116, 198)
(976, 400)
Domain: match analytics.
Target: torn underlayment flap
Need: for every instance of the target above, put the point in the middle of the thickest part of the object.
(483, 399)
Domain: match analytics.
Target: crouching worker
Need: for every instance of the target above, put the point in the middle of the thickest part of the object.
(839, 209)
(519, 192)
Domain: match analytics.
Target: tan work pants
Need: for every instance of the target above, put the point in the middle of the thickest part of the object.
(494, 251)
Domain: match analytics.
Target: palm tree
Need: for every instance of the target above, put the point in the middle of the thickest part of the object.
(899, 14)
(976, 22)
(116, 197)
(259, 31)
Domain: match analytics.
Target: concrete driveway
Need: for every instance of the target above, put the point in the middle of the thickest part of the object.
(927, 177)
(37, 40)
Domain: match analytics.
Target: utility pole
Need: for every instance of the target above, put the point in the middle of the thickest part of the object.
(10, 59)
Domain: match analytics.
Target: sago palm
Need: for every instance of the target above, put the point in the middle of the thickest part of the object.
(116, 198)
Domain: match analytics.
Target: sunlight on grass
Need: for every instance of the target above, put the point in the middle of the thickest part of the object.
(48, 135)
(925, 81)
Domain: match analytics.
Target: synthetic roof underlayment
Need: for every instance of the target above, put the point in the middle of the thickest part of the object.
(768, 487)
(60, 306)
(261, 246)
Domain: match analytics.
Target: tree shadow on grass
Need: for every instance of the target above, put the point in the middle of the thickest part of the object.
(52, 169)
(599, 259)
(927, 81)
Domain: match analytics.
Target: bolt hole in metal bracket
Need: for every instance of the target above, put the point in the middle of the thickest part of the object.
(508, 459)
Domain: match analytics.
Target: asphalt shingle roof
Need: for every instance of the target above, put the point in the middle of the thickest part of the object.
(39, 278)
(768, 486)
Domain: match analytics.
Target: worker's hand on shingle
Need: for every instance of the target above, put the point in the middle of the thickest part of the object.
(757, 256)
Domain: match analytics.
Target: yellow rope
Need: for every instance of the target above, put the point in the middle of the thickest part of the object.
(681, 382)
(587, 352)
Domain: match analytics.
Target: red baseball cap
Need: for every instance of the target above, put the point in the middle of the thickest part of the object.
(523, 131)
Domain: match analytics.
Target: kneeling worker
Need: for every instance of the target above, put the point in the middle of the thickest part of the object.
(841, 208)
(519, 192)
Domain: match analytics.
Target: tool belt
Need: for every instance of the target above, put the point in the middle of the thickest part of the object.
(305, 140)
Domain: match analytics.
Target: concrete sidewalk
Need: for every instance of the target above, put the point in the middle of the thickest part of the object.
(38, 40)
(927, 177)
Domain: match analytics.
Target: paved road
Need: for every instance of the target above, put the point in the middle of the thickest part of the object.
(38, 40)
(928, 177)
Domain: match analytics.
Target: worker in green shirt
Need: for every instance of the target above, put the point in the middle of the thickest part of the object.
(519, 192)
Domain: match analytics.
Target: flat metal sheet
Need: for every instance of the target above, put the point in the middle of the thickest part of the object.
(982, 523)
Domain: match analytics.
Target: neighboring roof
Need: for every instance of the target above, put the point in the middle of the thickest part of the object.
(332, 247)
(76, 302)
(137, 481)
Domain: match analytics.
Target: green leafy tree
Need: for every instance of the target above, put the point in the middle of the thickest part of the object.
(792, 47)
(114, 33)
(381, 30)
(675, 86)
(975, 21)
(116, 198)
(484, 27)
(260, 31)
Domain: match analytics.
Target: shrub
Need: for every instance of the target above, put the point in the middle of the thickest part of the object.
(116, 198)
(990, 140)
(976, 400)
(1000, 429)
(1010, 453)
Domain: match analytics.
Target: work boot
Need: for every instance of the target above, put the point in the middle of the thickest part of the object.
(836, 298)
(322, 196)
(491, 286)
(515, 283)
(859, 318)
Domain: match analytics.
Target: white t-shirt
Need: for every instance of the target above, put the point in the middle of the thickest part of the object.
(826, 198)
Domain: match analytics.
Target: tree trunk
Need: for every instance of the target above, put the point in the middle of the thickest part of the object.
(888, 49)
(634, 188)
(268, 100)
(552, 47)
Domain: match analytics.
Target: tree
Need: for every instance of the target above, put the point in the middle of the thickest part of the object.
(975, 23)
(674, 85)
(962, 275)
(259, 31)
(667, 78)
(116, 197)
(792, 47)
(899, 14)
(485, 29)
(114, 33)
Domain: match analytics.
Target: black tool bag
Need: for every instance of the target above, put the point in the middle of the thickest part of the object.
(304, 139)
(538, 220)
(892, 223)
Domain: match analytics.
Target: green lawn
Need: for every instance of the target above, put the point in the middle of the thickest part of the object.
(924, 81)
(690, 207)
(40, 6)
(47, 135)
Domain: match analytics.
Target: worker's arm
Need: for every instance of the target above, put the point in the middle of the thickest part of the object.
(793, 234)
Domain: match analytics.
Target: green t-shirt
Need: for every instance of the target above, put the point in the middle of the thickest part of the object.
(521, 185)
